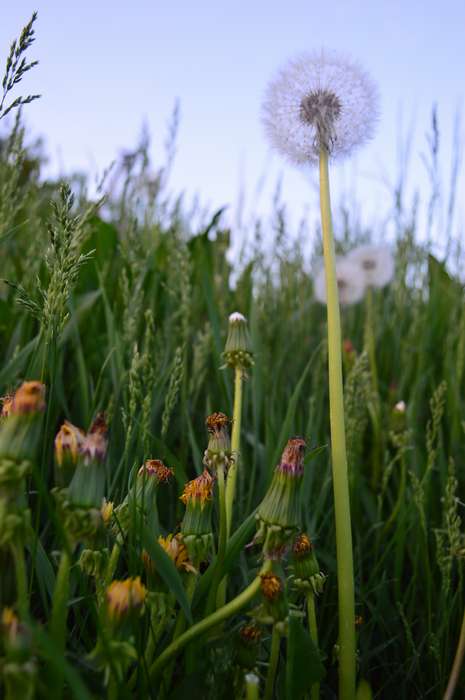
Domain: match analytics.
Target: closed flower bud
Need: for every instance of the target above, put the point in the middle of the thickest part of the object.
(274, 597)
(17, 639)
(125, 597)
(238, 352)
(68, 441)
(279, 514)
(399, 417)
(152, 473)
(248, 646)
(88, 483)
(196, 525)
(107, 511)
(177, 552)
(218, 453)
(307, 574)
(93, 562)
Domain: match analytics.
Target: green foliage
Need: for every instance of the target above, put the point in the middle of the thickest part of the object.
(122, 306)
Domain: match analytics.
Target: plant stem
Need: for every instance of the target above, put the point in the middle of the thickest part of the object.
(59, 614)
(213, 602)
(235, 446)
(313, 628)
(345, 566)
(208, 622)
(21, 579)
(456, 666)
(252, 684)
(273, 664)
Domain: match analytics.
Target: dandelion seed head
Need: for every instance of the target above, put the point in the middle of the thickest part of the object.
(375, 262)
(320, 99)
(350, 283)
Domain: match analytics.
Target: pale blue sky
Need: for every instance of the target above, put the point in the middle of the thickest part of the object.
(105, 66)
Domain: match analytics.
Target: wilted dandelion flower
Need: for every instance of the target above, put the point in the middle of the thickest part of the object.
(350, 283)
(375, 264)
(320, 100)
(125, 596)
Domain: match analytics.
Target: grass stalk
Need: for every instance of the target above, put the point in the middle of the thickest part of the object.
(457, 665)
(273, 664)
(313, 629)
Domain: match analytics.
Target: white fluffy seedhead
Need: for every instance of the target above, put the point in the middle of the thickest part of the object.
(320, 99)
(350, 283)
(375, 264)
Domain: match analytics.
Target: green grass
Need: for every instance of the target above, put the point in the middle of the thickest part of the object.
(125, 310)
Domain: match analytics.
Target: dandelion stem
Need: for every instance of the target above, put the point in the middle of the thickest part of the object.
(21, 579)
(215, 601)
(235, 446)
(345, 566)
(207, 623)
(456, 666)
(273, 663)
(252, 684)
(59, 613)
(313, 628)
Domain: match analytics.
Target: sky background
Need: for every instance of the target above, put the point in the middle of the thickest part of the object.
(108, 67)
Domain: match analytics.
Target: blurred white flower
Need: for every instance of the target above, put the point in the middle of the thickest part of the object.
(350, 283)
(320, 99)
(375, 264)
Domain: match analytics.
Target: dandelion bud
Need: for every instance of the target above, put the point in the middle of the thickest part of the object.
(196, 525)
(107, 511)
(94, 562)
(177, 552)
(17, 639)
(152, 473)
(274, 598)
(125, 597)
(68, 440)
(20, 426)
(248, 646)
(237, 351)
(399, 417)
(88, 483)
(279, 514)
(307, 575)
(218, 453)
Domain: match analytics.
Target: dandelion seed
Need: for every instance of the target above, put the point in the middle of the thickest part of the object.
(375, 264)
(350, 283)
(320, 100)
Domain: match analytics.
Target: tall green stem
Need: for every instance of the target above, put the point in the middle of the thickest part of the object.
(273, 664)
(235, 446)
(59, 615)
(21, 579)
(213, 600)
(313, 628)
(207, 623)
(345, 565)
(456, 666)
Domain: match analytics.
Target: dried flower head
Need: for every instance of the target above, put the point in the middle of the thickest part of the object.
(177, 552)
(250, 634)
(94, 445)
(375, 264)
(198, 490)
(218, 453)
(155, 468)
(125, 596)
(302, 546)
(29, 398)
(271, 586)
(320, 100)
(350, 283)
(68, 440)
